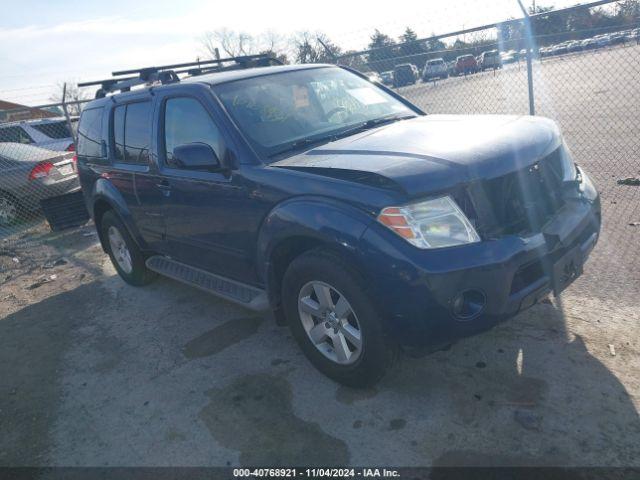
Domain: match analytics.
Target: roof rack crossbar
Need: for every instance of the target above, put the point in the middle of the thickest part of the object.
(168, 74)
(238, 59)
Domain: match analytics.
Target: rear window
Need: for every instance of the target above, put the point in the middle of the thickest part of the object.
(90, 133)
(132, 133)
(14, 134)
(435, 62)
(57, 130)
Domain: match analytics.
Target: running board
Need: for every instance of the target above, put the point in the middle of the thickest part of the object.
(240, 293)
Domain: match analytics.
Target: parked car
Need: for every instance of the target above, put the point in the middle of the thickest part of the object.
(364, 224)
(589, 44)
(373, 76)
(29, 174)
(466, 64)
(387, 77)
(490, 59)
(48, 133)
(574, 46)
(435, 68)
(405, 74)
(603, 40)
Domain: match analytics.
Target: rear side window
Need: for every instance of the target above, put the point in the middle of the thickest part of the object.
(58, 130)
(132, 133)
(15, 135)
(90, 133)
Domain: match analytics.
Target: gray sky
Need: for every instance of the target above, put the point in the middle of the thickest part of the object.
(44, 42)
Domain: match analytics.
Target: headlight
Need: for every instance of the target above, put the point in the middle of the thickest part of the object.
(430, 224)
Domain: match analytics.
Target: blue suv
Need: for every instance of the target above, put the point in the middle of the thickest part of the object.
(365, 225)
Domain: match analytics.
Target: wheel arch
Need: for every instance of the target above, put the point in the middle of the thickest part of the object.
(303, 224)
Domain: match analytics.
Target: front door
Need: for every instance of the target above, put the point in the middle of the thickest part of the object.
(202, 207)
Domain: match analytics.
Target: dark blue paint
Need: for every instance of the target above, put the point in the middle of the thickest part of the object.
(231, 221)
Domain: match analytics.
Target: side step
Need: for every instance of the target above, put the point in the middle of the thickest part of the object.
(240, 293)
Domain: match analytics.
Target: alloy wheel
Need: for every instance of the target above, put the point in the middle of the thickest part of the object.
(120, 250)
(330, 322)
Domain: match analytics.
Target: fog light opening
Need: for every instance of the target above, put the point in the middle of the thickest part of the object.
(468, 304)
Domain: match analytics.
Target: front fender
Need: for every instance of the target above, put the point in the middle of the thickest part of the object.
(317, 218)
(104, 191)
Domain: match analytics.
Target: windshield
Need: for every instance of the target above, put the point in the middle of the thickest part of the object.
(279, 111)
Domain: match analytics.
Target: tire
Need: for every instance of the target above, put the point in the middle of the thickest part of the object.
(9, 210)
(368, 362)
(135, 272)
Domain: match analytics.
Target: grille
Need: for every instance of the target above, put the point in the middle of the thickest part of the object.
(520, 202)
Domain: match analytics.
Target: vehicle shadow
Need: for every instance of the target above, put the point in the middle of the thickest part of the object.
(33, 342)
(528, 392)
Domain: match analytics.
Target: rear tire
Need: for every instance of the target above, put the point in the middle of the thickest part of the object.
(350, 344)
(125, 255)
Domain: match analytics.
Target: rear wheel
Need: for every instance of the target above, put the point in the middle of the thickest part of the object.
(125, 255)
(333, 319)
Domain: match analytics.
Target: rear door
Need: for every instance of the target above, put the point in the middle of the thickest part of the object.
(133, 172)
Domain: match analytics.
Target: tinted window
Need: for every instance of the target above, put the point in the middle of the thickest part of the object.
(14, 134)
(277, 110)
(90, 133)
(137, 132)
(118, 132)
(186, 121)
(57, 130)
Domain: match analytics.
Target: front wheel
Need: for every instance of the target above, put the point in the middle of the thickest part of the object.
(333, 319)
(125, 255)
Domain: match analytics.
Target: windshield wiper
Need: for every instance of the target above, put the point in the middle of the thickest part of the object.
(347, 132)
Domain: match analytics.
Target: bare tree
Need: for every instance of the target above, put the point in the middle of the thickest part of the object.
(314, 48)
(71, 96)
(231, 42)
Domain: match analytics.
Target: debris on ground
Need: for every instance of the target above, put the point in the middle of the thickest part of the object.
(41, 281)
(632, 181)
(55, 263)
(634, 224)
(528, 420)
(88, 234)
(612, 350)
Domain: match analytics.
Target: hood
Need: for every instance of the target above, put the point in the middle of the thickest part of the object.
(433, 153)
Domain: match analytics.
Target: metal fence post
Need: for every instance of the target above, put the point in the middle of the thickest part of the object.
(66, 113)
(529, 40)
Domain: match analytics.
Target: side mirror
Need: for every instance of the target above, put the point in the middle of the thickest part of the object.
(195, 156)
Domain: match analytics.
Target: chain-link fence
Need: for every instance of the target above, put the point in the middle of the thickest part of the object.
(583, 73)
(38, 171)
(579, 66)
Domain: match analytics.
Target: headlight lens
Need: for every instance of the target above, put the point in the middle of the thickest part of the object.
(433, 223)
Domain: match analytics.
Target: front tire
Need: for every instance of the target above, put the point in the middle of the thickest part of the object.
(332, 317)
(125, 255)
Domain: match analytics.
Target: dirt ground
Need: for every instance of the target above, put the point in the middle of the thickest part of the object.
(94, 372)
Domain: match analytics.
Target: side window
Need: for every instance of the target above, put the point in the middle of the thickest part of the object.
(90, 133)
(132, 133)
(118, 132)
(187, 121)
(15, 135)
(137, 133)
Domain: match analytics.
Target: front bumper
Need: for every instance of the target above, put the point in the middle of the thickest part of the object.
(416, 290)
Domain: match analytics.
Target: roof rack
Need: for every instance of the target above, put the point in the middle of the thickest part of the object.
(166, 74)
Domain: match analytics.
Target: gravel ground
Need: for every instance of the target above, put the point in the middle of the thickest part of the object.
(95, 372)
